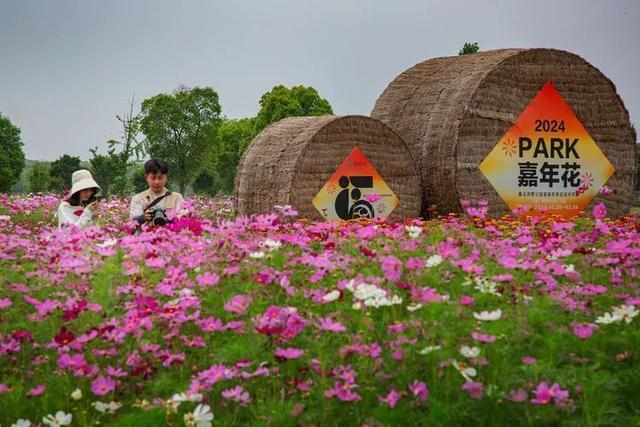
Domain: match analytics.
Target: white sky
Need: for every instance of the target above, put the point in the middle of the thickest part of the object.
(68, 67)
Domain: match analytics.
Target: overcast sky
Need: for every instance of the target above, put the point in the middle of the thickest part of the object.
(68, 67)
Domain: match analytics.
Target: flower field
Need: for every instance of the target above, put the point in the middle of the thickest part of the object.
(274, 320)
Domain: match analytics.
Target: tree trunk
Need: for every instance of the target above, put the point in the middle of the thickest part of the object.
(182, 187)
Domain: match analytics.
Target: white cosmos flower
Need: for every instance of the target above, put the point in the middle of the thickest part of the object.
(256, 254)
(434, 260)
(107, 408)
(488, 316)
(487, 287)
(21, 423)
(187, 397)
(59, 419)
(625, 312)
(466, 371)
(413, 230)
(271, 244)
(331, 296)
(414, 307)
(429, 349)
(76, 394)
(469, 352)
(202, 416)
(108, 243)
(607, 319)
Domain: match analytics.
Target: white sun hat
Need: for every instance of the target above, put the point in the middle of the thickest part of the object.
(81, 180)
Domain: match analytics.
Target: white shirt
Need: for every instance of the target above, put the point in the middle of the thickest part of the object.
(142, 200)
(77, 215)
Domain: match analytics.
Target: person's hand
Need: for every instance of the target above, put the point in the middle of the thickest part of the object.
(148, 215)
(93, 206)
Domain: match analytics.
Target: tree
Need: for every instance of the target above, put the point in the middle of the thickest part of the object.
(61, 171)
(232, 139)
(107, 168)
(283, 102)
(178, 129)
(469, 48)
(11, 154)
(138, 180)
(111, 169)
(39, 178)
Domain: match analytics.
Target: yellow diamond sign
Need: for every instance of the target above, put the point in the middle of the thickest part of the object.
(355, 191)
(547, 159)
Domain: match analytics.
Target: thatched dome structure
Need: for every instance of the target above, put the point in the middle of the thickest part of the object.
(452, 111)
(290, 161)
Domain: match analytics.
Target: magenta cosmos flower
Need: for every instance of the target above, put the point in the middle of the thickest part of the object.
(545, 394)
(102, 385)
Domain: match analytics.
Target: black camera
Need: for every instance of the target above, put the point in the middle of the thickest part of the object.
(159, 216)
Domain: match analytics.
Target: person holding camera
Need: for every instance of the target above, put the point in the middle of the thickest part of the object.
(82, 203)
(151, 205)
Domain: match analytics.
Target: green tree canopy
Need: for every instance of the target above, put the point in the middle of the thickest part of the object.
(39, 178)
(283, 102)
(469, 48)
(231, 139)
(11, 154)
(178, 129)
(61, 171)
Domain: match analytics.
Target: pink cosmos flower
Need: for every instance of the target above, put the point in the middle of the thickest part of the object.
(391, 400)
(237, 394)
(282, 321)
(102, 385)
(518, 395)
(238, 304)
(485, 338)
(544, 394)
(419, 389)
(466, 300)
(288, 353)
(599, 211)
(474, 388)
(75, 361)
(392, 268)
(328, 324)
(584, 330)
(372, 198)
(207, 279)
(4, 388)
(4, 303)
(36, 391)
(528, 360)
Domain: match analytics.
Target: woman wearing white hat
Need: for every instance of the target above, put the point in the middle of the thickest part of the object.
(79, 207)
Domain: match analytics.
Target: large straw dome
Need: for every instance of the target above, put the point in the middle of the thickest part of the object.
(290, 161)
(452, 111)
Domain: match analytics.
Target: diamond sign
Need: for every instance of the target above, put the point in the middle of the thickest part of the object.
(356, 190)
(547, 159)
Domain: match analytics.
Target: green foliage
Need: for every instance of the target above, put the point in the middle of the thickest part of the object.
(138, 180)
(110, 170)
(230, 142)
(469, 48)
(283, 102)
(61, 171)
(39, 178)
(178, 129)
(11, 154)
(637, 183)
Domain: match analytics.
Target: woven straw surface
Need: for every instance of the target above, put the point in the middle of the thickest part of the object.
(452, 111)
(291, 160)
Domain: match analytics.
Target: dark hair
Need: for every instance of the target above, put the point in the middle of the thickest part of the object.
(155, 166)
(74, 200)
